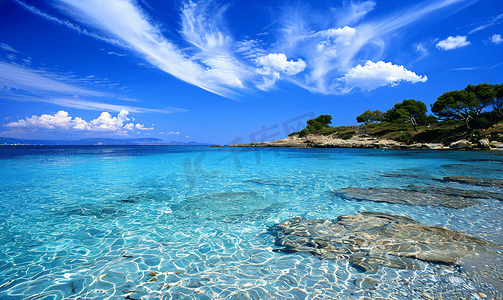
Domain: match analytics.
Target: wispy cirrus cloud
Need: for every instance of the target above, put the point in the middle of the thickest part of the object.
(67, 24)
(325, 47)
(25, 83)
(99, 106)
(8, 48)
(463, 69)
(24, 78)
(209, 64)
(493, 21)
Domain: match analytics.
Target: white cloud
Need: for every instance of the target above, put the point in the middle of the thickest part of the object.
(59, 120)
(173, 132)
(492, 22)
(373, 75)
(8, 48)
(275, 64)
(211, 65)
(453, 42)
(330, 53)
(142, 127)
(205, 54)
(105, 122)
(91, 105)
(496, 39)
(118, 54)
(129, 126)
(421, 49)
(67, 23)
(22, 77)
(60, 90)
(279, 63)
(63, 121)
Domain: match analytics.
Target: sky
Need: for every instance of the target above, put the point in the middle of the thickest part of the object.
(231, 71)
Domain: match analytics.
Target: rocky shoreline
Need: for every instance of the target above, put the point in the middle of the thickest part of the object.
(365, 141)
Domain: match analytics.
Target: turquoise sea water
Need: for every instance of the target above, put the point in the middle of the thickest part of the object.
(187, 222)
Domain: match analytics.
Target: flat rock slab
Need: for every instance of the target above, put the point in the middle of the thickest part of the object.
(448, 191)
(475, 181)
(371, 239)
(414, 195)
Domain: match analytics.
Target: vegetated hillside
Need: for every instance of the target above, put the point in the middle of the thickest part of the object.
(444, 132)
(472, 114)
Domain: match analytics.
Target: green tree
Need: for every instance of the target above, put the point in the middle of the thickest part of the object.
(370, 117)
(497, 102)
(460, 105)
(318, 123)
(409, 111)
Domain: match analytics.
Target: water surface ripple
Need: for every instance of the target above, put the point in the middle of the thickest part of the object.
(191, 222)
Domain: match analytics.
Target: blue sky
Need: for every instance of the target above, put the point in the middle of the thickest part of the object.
(231, 71)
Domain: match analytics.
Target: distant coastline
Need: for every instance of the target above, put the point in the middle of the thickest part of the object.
(96, 142)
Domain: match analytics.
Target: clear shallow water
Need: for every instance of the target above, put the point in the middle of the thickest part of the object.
(191, 222)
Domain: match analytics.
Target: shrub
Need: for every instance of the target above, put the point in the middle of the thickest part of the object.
(404, 137)
(347, 136)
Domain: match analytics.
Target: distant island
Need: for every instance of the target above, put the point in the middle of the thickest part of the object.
(465, 119)
(95, 142)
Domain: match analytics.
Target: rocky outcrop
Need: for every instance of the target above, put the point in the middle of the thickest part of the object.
(364, 141)
(461, 144)
(484, 144)
(417, 196)
(321, 141)
(371, 239)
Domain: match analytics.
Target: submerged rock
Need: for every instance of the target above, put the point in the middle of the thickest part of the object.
(94, 210)
(371, 239)
(475, 194)
(270, 182)
(366, 283)
(232, 206)
(145, 197)
(412, 195)
(475, 181)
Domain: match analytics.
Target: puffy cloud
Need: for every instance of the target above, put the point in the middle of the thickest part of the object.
(142, 127)
(453, 43)
(129, 126)
(496, 39)
(60, 120)
(373, 75)
(279, 63)
(275, 64)
(63, 121)
(330, 53)
(105, 122)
